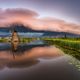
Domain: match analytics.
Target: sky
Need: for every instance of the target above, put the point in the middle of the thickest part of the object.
(55, 15)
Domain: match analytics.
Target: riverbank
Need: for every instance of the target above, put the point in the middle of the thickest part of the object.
(69, 46)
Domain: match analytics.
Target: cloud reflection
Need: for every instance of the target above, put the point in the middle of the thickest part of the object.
(29, 58)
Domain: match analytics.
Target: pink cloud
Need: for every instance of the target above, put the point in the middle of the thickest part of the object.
(30, 18)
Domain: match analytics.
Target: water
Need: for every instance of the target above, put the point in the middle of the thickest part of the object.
(35, 61)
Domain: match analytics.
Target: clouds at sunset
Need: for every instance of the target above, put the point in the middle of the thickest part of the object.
(31, 18)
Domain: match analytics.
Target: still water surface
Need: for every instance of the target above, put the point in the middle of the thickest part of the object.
(35, 61)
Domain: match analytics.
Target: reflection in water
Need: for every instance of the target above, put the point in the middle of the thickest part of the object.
(35, 62)
(15, 46)
(29, 56)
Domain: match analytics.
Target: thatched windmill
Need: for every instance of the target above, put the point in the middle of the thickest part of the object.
(15, 39)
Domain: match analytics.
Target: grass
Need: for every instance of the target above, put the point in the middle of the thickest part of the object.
(69, 46)
(3, 40)
(67, 43)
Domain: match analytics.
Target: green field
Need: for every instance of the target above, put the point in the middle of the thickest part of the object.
(69, 46)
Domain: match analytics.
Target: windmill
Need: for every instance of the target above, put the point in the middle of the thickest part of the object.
(15, 39)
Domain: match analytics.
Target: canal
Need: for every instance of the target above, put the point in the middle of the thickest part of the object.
(36, 61)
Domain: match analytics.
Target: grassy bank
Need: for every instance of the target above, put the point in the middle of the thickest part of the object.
(66, 43)
(69, 46)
